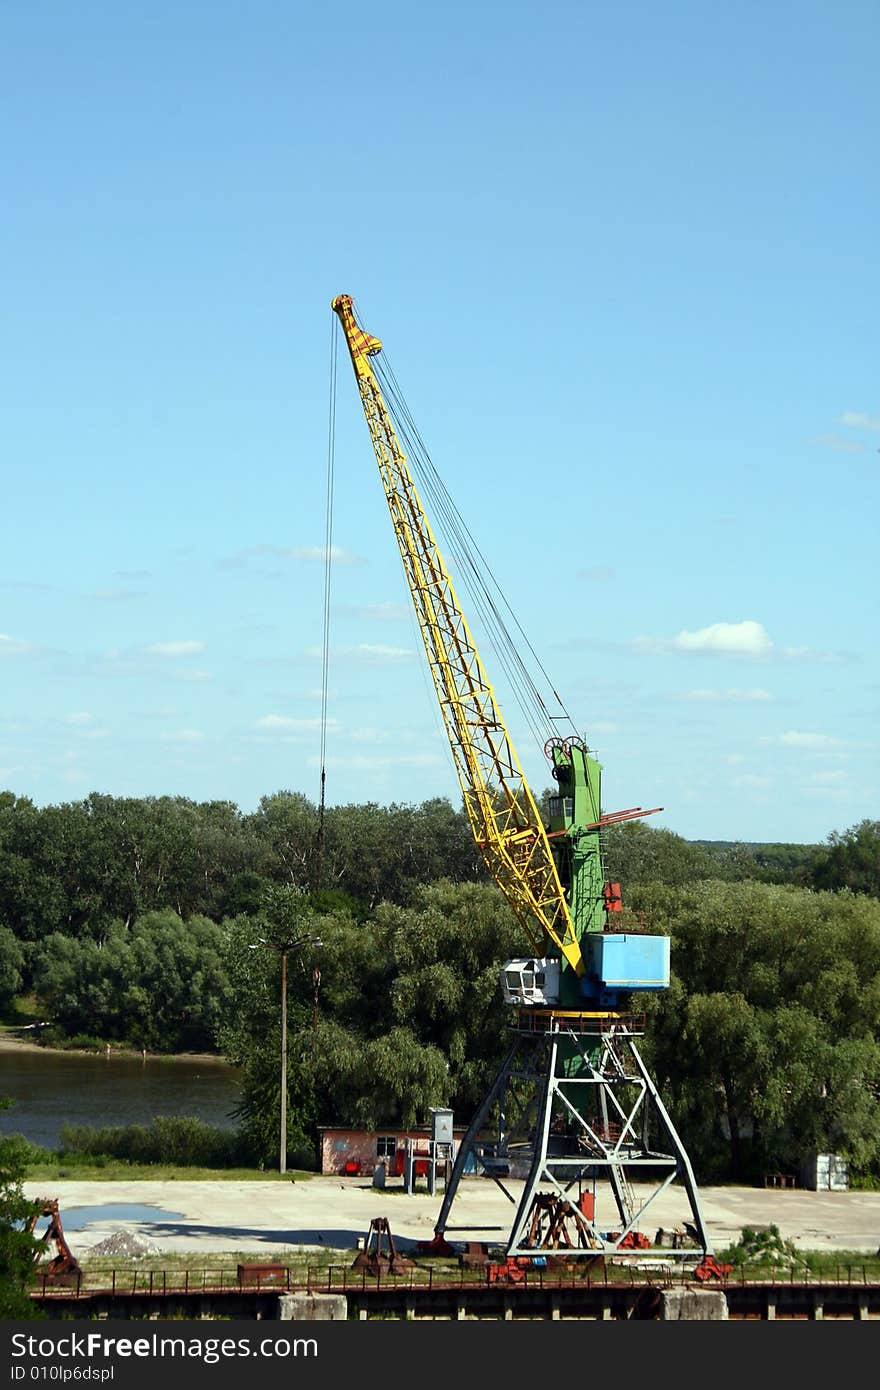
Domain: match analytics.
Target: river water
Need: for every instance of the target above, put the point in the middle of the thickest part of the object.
(53, 1088)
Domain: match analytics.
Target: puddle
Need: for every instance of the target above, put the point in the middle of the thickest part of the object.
(75, 1218)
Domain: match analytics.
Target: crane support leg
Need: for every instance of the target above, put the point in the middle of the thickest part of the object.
(467, 1146)
(575, 1114)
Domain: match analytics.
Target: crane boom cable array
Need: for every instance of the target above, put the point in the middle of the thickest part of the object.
(481, 748)
(475, 573)
(459, 546)
(501, 808)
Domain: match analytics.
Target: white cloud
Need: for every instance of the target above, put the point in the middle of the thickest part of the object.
(368, 654)
(78, 718)
(377, 654)
(12, 646)
(368, 735)
(174, 649)
(338, 554)
(362, 762)
(751, 779)
(796, 739)
(838, 444)
(383, 612)
(748, 638)
(182, 736)
(732, 696)
(812, 654)
(857, 419)
(286, 724)
(193, 675)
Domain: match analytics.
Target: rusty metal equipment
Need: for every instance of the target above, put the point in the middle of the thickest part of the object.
(513, 1270)
(262, 1274)
(710, 1268)
(474, 1256)
(633, 1240)
(63, 1268)
(555, 1223)
(437, 1245)
(374, 1258)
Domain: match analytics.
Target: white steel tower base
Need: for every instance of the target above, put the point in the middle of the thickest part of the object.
(574, 1112)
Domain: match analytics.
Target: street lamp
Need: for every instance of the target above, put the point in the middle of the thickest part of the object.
(283, 948)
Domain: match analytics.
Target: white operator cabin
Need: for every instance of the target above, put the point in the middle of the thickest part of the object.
(530, 981)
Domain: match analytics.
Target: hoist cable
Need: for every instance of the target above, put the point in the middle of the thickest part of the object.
(328, 558)
(466, 553)
(461, 548)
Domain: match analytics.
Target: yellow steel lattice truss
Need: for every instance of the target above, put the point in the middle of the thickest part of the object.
(503, 815)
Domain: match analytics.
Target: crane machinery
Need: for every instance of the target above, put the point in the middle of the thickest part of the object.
(573, 1111)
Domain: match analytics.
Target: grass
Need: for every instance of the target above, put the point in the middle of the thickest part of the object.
(59, 1166)
(212, 1267)
(48, 1165)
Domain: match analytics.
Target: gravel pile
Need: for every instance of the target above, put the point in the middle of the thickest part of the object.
(127, 1243)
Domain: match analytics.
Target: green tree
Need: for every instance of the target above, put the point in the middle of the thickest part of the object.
(160, 983)
(286, 825)
(639, 853)
(850, 860)
(768, 1041)
(447, 948)
(12, 962)
(410, 1010)
(18, 1248)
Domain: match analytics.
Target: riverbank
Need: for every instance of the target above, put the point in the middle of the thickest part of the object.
(11, 1040)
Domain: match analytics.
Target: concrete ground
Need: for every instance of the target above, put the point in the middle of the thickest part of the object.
(325, 1213)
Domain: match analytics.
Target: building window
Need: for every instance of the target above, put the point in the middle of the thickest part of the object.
(386, 1145)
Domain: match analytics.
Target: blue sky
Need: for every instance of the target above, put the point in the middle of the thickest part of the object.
(624, 263)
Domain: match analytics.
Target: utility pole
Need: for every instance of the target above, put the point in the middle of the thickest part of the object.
(282, 1154)
(284, 948)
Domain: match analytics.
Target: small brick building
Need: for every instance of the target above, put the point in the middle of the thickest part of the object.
(354, 1151)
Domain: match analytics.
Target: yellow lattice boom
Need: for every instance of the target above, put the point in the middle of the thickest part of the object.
(500, 806)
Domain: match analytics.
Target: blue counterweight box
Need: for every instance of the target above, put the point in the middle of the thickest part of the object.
(625, 960)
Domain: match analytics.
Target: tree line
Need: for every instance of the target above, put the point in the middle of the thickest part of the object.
(78, 866)
(136, 921)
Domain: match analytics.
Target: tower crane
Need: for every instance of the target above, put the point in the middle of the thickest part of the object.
(573, 1110)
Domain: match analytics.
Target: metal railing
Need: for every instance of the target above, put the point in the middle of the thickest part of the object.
(341, 1278)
